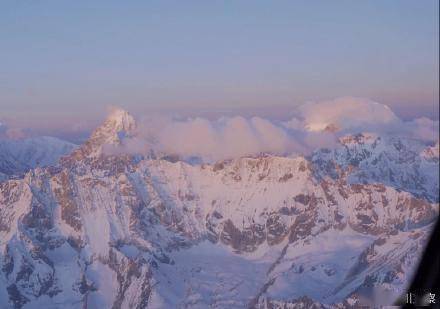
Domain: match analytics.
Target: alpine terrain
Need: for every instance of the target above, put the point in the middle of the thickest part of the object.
(19, 156)
(338, 228)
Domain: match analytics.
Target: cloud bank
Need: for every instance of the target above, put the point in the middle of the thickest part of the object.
(7, 132)
(213, 140)
(315, 125)
(227, 138)
(346, 113)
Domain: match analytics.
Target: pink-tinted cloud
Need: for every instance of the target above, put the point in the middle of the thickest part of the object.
(346, 113)
(315, 125)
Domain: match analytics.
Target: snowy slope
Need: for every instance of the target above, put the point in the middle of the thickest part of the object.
(405, 164)
(19, 156)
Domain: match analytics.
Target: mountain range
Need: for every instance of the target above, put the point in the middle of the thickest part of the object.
(341, 227)
(20, 156)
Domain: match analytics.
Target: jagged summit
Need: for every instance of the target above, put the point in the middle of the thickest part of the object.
(118, 125)
(121, 120)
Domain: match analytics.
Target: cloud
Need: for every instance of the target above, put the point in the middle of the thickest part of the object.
(346, 113)
(315, 125)
(353, 115)
(423, 128)
(224, 138)
(7, 132)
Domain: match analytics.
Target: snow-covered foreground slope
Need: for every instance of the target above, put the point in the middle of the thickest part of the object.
(19, 156)
(332, 267)
(130, 232)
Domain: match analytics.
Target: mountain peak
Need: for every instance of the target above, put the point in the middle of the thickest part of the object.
(118, 125)
(121, 120)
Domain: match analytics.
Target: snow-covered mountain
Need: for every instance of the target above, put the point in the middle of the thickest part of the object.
(122, 231)
(118, 125)
(405, 164)
(19, 156)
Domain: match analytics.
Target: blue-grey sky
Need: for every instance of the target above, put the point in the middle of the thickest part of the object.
(68, 60)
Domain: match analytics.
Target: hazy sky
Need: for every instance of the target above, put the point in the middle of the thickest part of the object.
(68, 60)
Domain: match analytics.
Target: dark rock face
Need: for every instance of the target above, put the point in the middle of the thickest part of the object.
(276, 230)
(303, 199)
(128, 271)
(213, 222)
(298, 269)
(242, 241)
(10, 195)
(66, 198)
(85, 286)
(17, 299)
(8, 262)
(286, 177)
(218, 166)
(302, 226)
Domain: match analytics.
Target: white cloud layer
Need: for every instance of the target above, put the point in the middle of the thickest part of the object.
(316, 125)
(214, 140)
(346, 113)
(7, 132)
